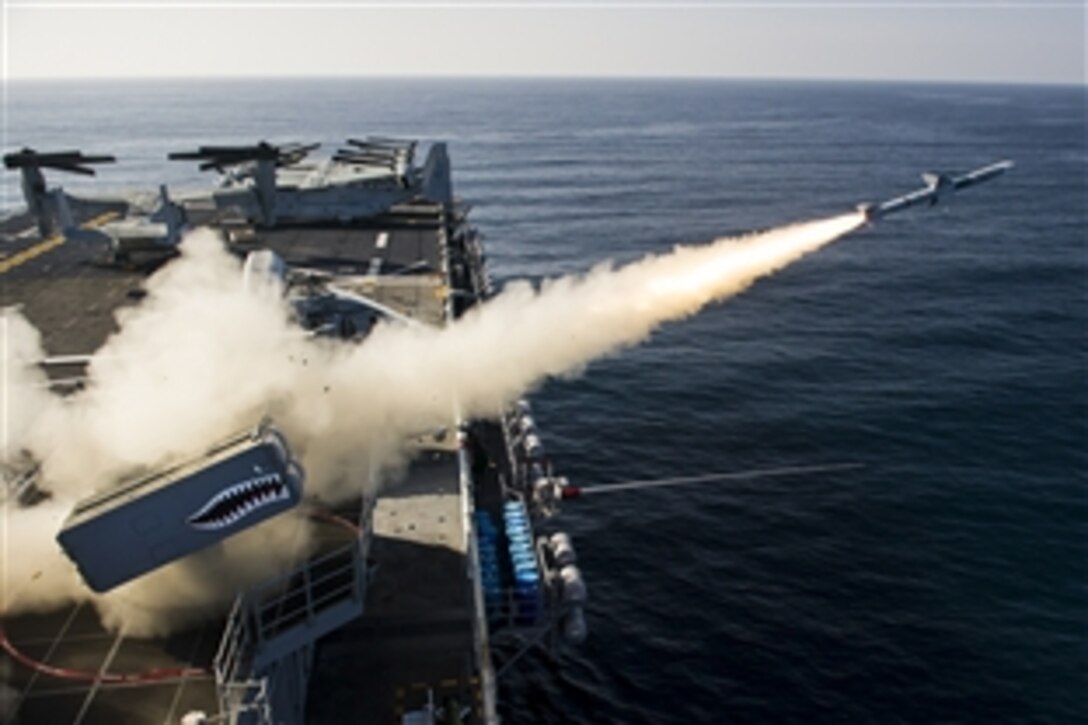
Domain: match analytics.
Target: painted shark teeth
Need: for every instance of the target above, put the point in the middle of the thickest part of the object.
(235, 502)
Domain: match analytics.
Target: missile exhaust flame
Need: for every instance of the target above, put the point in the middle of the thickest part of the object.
(201, 357)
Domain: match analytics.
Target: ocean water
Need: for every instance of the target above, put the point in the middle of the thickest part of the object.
(945, 349)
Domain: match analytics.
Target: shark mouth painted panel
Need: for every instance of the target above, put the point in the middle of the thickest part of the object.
(238, 501)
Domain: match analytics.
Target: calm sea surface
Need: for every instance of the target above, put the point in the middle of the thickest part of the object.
(945, 349)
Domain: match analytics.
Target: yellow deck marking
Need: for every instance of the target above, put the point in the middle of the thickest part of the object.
(30, 253)
(99, 220)
(49, 244)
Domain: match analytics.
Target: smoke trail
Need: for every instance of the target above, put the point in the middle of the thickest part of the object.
(202, 357)
(415, 376)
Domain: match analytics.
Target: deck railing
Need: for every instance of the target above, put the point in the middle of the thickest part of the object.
(279, 618)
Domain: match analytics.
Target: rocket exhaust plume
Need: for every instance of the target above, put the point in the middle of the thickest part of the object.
(511, 344)
(574, 320)
(202, 357)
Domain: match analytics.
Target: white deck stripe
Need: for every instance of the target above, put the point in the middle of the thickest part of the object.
(98, 683)
(45, 658)
(171, 715)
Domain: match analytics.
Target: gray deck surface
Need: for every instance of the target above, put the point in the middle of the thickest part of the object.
(73, 638)
(416, 632)
(68, 297)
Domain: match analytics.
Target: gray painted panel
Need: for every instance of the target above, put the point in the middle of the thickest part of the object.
(141, 525)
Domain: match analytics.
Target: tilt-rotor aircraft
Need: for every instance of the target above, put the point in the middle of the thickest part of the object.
(262, 185)
(40, 199)
(270, 185)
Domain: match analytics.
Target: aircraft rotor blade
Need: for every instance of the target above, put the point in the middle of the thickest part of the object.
(73, 161)
(216, 157)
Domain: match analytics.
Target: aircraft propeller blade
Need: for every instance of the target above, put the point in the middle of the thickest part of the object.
(217, 157)
(72, 161)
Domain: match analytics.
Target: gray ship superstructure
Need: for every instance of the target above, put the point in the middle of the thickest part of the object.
(395, 615)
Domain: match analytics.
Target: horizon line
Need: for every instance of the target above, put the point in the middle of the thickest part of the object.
(1082, 83)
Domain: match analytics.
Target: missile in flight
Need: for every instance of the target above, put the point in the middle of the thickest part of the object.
(938, 187)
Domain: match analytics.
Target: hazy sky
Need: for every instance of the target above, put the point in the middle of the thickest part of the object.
(985, 40)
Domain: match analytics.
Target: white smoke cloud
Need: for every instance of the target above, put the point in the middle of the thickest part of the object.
(23, 389)
(37, 575)
(199, 359)
(202, 357)
(205, 584)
